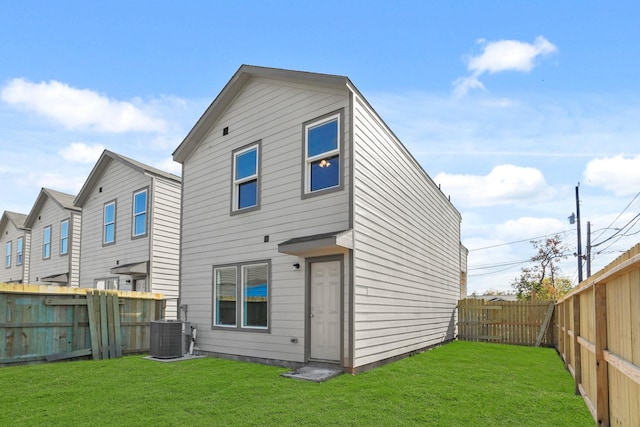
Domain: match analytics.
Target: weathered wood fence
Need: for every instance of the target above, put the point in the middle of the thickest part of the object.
(47, 323)
(598, 329)
(507, 322)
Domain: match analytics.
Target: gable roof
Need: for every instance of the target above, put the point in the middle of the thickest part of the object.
(101, 166)
(17, 219)
(233, 88)
(63, 200)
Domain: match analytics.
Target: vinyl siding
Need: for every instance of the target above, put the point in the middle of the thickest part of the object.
(51, 214)
(165, 241)
(16, 272)
(274, 113)
(407, 248)
(75, 227)
(118, 183)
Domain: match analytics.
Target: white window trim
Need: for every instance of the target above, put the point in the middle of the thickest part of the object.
(239, 321)
(19, 252)
(105, 223)
(235, 201)
(44, 242)
(330, 153)
(243, 268)
(8, 248)
(215, 296)
(136, 214)
(62, 237)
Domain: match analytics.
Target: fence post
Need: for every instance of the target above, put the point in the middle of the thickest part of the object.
(602, 377)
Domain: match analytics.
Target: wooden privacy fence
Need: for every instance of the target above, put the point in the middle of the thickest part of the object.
(598, 328)
(47, 323)
(507, 322)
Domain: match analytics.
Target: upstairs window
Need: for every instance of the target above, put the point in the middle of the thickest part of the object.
(246, 171)
(8, 255)
(322, 154)
(140, 213)
(46, 242)
(109, 221)
(19, 251)
(64, 237)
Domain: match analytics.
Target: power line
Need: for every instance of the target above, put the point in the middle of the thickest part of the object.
(519, 241)
(487, 266)
(619, 215)
(619, 230)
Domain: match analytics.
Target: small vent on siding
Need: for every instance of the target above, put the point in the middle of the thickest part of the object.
(225, 131)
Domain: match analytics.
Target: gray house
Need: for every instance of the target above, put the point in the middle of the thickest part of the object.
(131, 233)
(15, 238)
(55, 223)
(309, 232)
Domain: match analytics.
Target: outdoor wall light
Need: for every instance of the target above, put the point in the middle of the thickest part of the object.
(296, 265)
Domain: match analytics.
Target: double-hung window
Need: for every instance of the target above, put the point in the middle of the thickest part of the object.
(8, 250)
(246, 177)
(322, 154)
(241, 296)
(19, 250)
(46, 242)
(140, 213)
(64, 237)
(109, 224)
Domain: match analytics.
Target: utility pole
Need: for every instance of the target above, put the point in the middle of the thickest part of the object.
(579, 233)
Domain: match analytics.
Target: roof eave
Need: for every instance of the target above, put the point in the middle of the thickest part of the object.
(233, 87)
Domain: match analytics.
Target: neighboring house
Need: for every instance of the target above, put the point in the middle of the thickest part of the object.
(55, 239)
(309, 232)
(15, 239)
(131, 228)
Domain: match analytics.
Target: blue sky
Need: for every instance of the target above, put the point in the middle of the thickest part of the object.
(507, 105)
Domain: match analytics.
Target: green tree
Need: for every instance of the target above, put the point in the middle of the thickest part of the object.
(542, 280)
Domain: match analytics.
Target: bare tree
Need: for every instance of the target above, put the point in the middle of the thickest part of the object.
(542, 279)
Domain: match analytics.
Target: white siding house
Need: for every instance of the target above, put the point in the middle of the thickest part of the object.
(55, 223)
(15, 240)
(309, 232)
(130, 233)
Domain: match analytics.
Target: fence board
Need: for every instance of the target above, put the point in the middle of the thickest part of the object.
(508, 322)
(606, 350)
(40, 323)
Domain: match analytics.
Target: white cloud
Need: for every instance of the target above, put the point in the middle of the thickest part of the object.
(530, 227)
(79, 152)
(505, 184)
(58, 181)
(500, 56)
(168, 165)
(80, 108)
(618, 174)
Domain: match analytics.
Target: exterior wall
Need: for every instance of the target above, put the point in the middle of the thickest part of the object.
(75, 226)
(15, 273)
(274, 113)
(407, 248)
(51, 214)
(118, 183)
(165, 242)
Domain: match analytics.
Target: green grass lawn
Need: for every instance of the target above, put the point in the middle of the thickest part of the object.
(459, 384)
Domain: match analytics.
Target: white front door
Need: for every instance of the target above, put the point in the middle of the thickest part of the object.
(325, 311)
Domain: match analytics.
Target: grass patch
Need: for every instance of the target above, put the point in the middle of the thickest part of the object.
(459, 384)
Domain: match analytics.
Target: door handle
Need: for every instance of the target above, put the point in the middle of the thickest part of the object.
(311, 315)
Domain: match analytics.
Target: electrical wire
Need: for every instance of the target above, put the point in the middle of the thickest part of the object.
(619, 215)
(520, 241)
(620, 230)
